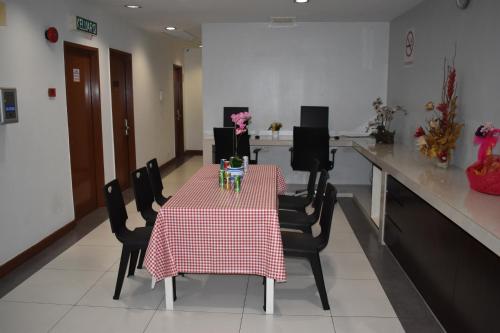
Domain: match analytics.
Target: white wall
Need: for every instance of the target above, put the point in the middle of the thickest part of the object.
(193, 97)
(274, 71)
(439, 24)
(35, 176)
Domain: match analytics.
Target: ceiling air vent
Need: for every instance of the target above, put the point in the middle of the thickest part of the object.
(282, 22)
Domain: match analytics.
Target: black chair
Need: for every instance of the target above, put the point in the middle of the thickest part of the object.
(156, 183)
(225, 141)
(310, 143)
(144, 197)
(133, 241)
(306, 246)
(314, 116)
(300, 203)
(300, 220)
(230, 110)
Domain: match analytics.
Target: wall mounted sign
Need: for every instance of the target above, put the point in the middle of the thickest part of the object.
(85, 25)
(76, 74)
(409, 46)
(3, 14)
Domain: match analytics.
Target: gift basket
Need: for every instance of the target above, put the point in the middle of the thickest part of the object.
(484, 174)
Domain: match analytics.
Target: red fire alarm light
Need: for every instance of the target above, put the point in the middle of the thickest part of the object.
(51, 35)
(52, 92)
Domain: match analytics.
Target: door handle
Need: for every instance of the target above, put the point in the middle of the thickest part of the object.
(127, 127)
(178, 114)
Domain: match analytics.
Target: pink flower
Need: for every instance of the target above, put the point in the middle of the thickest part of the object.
(240, 130)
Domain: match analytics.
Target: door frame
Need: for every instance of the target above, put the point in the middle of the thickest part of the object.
(96, 114)
(130, 109)
(181, 102)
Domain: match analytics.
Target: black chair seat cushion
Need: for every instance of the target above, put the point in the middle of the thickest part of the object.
(293, 203)
(137, 238)
(295, 220)
(296, 242)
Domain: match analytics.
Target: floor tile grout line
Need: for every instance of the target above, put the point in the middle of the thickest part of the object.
(76, 303)
(60, 319)
(244, 304)
(333, 323)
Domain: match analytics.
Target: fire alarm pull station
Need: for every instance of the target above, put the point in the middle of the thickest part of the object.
(8, 107)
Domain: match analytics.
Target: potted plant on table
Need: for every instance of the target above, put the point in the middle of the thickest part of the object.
(275, 128)
(240, 121)
(382, 123)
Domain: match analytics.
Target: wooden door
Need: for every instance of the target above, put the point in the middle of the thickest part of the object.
(84, 127)
(178, 112)
(123, 115)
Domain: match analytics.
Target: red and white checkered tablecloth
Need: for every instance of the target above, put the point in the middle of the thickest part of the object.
(206, 229)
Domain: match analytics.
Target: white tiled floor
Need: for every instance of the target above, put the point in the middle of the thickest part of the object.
(73, 293)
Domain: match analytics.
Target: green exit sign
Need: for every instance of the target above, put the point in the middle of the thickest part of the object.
(85, 25)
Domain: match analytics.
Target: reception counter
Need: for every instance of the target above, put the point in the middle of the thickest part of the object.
(447, 190)
(445, 236)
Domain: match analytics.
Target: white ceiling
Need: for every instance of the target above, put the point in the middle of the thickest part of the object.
(188, 15)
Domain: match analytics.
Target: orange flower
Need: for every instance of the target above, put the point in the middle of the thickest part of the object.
(429, 106)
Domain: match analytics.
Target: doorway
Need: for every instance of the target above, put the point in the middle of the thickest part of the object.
(178, 112)
(84, 127)
(123, 115)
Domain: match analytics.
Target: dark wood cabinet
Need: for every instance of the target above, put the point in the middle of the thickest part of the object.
(458, 277)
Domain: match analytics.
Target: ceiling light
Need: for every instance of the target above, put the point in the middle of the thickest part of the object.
(170, 28)
(301, 1)
(133, 6)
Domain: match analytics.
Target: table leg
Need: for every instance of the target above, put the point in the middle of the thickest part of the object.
(269, 296)
(169, 294)
(153, 282)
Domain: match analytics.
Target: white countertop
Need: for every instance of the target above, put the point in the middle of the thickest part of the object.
(447, 190)
(287, 140)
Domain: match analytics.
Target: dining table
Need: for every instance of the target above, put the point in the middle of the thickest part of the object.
(207, 229)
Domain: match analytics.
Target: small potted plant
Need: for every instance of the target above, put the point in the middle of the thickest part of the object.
(381, 125)
(240, 121)
(275, 128)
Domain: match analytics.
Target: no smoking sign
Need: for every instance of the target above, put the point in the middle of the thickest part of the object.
(409, 46)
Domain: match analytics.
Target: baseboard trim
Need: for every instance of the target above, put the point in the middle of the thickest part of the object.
(167, 164)
(24, 256)
(193, 152)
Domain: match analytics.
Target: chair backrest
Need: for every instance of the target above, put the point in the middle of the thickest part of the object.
(142, 189)
(310, 143)
(229, 110)
(224, 141)
(155, 177)
(116, 206)
(314, 116)
(313, 174)
(327, 215)
(319, 198)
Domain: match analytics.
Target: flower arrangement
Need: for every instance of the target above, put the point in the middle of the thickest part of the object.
(484, 174)
(381, 125)
(275, 126)
(439, 137)
(240, 121)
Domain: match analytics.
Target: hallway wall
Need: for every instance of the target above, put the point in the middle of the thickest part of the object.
(35, 178)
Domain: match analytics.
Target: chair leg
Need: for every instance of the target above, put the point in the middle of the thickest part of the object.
(318, 277)
(121, 272)
(141, 258)
(133, 262)
(265, 293)
(175, 288)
